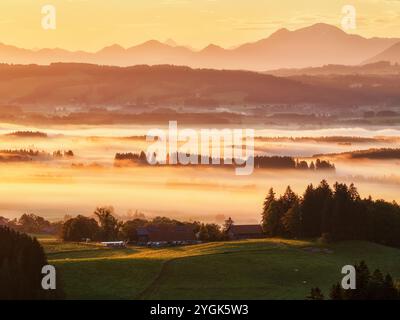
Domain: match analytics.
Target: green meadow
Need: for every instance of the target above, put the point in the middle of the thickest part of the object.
(252, 269)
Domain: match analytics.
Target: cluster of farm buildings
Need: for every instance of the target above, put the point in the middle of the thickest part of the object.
(184, 234)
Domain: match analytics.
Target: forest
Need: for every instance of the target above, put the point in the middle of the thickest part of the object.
(21, 259)
(332, 214)
(369, 286)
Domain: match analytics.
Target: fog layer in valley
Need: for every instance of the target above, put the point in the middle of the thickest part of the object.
(55, 187)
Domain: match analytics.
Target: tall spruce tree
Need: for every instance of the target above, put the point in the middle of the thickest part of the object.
(309, 209)
(291, 221)
(288, 199)
(269, 199)
(272, 223)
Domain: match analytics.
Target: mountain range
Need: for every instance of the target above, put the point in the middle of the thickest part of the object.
(312, 46)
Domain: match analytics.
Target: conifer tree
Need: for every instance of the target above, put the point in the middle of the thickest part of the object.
(269, 199)
(291, 221)
(272, 223)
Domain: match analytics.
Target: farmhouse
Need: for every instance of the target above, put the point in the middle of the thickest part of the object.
(153, 234)
(250, 231)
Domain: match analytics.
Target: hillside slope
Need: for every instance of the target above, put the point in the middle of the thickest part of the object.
(253, 269)
(93, 85)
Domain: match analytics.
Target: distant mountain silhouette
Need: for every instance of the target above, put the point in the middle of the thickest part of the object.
(170, 42)
(391, 54)
(317, 45)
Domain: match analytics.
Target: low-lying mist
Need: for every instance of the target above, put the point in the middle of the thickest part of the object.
(76, 185)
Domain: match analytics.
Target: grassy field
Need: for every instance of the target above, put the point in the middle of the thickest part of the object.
(253, 269)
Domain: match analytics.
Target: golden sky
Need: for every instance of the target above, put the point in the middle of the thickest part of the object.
(93, 24)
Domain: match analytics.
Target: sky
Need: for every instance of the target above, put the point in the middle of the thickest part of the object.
(92, 24)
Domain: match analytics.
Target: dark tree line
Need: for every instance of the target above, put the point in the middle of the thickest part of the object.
(337, 213)
(204, 231)
(284, 162)
(260, 162)
(369, 286)
(25, 152)
(31, 223)
(135, 157)
(34, 134)
(21, 261)
(106, 227)
(37, 153)
(384, 153)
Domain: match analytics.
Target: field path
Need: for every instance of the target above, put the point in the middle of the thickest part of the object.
(157, 280)
(166, 266)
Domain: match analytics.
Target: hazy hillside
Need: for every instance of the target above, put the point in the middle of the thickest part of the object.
(392, 55)
(83, 84)
(368, 89)
(316, 45)
(91, 85)
(377, 68)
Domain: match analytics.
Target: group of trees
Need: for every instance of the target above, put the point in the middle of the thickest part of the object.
(135, 157)
(334, 214)
(207, 232)
(30, 154)
(31, 223)
(28, 134)
(383, 153)
(210, 232)
(284, 162)
(104, 226)
(63, 154)
(25, 152)
(80, 228)
(369, 286)
(260, 162)
(37, 153)
(21, 261)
